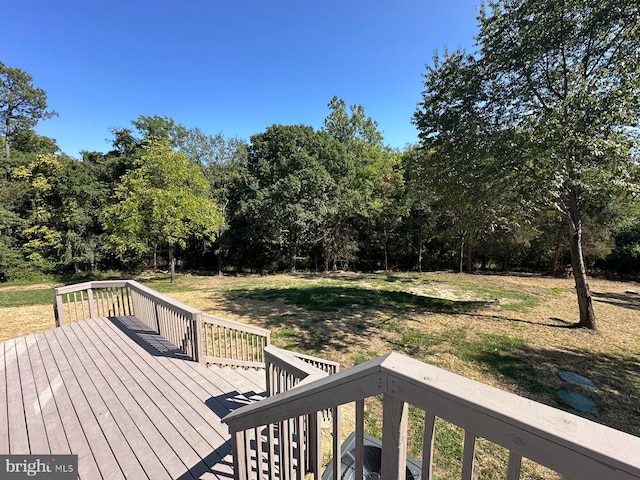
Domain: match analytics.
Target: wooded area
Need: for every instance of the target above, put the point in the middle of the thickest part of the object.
(527, 160)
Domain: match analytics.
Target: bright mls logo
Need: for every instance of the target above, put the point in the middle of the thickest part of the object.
(51, 467)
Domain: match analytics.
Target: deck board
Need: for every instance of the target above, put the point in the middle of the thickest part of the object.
(188, 422)
(4, 419)
(72, 429)
(122, 398)
(34, 422)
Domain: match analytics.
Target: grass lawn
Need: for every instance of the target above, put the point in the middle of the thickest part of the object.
(509, 331)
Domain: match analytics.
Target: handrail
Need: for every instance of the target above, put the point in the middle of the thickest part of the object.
(285, 371)
(571, 445)
(289, 362)
(205, 338)
(328, 366)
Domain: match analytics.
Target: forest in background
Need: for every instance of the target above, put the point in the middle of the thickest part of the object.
(527, 160)
(290, 198)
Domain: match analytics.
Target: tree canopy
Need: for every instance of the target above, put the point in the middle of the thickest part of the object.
(547, 107)
(21, 104)
(163, 199)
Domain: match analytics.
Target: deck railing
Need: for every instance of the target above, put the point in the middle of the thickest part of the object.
(231, 343)
(295, 441)
(82, 301)
(570, 445)
(204, 338)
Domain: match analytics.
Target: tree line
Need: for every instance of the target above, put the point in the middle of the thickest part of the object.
(527, 159)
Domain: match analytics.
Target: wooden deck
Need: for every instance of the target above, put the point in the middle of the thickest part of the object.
(122, 398)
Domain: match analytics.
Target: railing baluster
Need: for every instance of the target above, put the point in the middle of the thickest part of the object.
(468, 455)
(92, 308)
(427, 446)
(394, 436)
(514, 466)
(82, 304)
(337, 447)
(259, 459)
(271, 457)
(359, 439)
(301, 453)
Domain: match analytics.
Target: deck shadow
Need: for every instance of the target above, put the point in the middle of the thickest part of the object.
(213, 463)
(226, 403)
(153, 343)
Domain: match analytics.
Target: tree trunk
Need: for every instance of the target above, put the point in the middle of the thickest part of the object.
(292, 261)
(7, 145)
(172, 264)
(469, 258)
(461, 263)
(556, 254)
(420, 251)
(587, 314)
(386, 254)
(220, 262)
(155, 257)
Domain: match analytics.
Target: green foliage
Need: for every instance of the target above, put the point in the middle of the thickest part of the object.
(163, 199)
(21, 104)
(289, 190)
(544, 115)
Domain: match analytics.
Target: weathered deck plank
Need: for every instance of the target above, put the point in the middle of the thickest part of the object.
(88, 414)
(46, 402)
(18, 438)
(34, 421)
(179, 422)
(4, 420)
(72, 429)
(122, 398)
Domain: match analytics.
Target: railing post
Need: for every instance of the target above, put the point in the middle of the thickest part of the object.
(197, 337)
(394, 437)
(135, 302)
(58, 311)
(92, 307)
(239, 456)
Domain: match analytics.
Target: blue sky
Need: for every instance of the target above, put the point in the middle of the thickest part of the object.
(231, 67)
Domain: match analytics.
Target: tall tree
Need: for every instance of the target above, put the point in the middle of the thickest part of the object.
(554, 92)
(21, 104)
(370, 189)
(288, 189)
(568, 72)
(467, 159)
(163, 198)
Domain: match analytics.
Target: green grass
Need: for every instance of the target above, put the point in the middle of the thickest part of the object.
(512, 300)
(333, 298)
(23, 298)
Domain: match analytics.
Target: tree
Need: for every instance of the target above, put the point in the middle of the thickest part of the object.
(21, 104)
(222, 161)
(468, 160)
(568, 73)
(372, 186)
(288, 190)
(164, 198)
(551, 102)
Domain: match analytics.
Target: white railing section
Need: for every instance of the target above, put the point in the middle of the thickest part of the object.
(281, 448)
(204, 338)
(570, 445)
